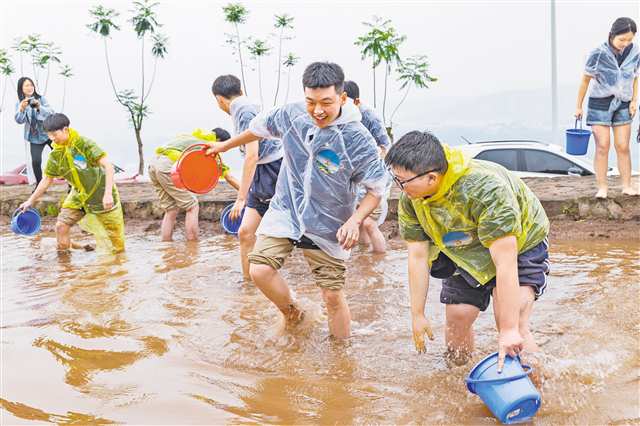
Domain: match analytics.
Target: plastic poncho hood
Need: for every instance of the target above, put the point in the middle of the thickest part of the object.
(321, 170)
(242, 112)
(477, 203)
(610, 78)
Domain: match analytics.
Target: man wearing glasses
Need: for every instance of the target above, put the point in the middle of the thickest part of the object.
(479, 228)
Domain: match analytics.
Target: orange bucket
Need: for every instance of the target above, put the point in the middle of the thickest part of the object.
(195, 170)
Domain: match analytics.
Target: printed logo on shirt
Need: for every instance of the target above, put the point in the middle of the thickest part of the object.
(457, 239)
(79, 161)
(328, 161)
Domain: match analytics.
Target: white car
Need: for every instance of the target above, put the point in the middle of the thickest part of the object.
(529, 158)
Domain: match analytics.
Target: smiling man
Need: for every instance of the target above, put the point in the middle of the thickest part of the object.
(479, 228)
(327, 154)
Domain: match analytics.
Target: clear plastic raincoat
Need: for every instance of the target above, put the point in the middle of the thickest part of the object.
(77, 162)
(242, 112)
(477, 203)
(321, 170)
(611, 79)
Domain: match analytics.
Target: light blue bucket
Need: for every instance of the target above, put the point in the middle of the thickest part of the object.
(230, 226)
(510, 395)
(577, 140)
(26, 222)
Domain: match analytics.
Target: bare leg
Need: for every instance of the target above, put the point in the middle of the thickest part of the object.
(602, 136)
(168, 222)
(272, 285)
(378, 243)
(338, 312)
(191, 223)
(62, 236)
(247, 234)
(621, 136)
(364, 237)
(459, 331)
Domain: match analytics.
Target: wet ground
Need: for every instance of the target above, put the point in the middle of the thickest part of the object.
(168, 334)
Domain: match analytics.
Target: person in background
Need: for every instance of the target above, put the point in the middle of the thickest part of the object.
(612, 69)
(31, 110)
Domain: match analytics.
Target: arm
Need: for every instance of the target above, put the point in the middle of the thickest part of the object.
(349, 233)
(21, 116)
(418, 287)
(248, 171)
(41, 189)
(582, 91)
(504, 253)
(231, 180)
(107, 199)
(633, 105)
(241, 139)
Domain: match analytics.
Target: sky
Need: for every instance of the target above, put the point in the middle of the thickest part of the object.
(491, 58)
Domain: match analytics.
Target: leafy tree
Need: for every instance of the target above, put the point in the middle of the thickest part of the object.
(283, 23)
(6, 69)
(290, 61)
(236, 14)
(259, 48)
(413, 72)
(66, 74)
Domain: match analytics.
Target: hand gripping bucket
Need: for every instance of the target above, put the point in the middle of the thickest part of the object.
(230, 226)
(25, 222)
(510, 395)
(577, 140)
(196, 171)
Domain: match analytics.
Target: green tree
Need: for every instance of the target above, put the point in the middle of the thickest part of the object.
(47, 54)
(259, 48)
(290, 61)
(283, 23)
(6, 69)
(373, 47)
(236, 14)
(66, 74)
(413, 72)
(31, 45)
(390, 55)
(145, 24)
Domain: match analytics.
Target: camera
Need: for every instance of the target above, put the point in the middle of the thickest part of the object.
(33, 102)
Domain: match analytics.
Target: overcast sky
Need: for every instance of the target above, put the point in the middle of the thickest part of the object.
(485, 54)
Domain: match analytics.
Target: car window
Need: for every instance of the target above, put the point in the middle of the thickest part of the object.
(537, 161)
(508, 158)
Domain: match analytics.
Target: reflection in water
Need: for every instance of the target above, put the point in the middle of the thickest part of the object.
(169, 333)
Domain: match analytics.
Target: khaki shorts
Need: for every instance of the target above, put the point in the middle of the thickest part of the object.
(328, 272)
(70, 216)
(170, 196)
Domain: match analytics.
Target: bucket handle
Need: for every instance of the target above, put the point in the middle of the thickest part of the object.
(528, 370)
(578, 120)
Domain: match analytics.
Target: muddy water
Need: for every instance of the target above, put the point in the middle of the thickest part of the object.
(167, 334)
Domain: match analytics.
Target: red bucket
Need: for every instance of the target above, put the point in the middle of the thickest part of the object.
(195, 170)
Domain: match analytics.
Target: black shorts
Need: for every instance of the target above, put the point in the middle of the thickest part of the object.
(263, 186)
(458, 286)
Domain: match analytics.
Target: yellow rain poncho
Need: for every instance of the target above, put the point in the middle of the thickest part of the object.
(477, 203)
(171, 152)
(77, 162)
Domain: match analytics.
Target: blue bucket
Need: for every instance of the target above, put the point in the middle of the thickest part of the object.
(25, 222)
(231, 226)
(510, 395)
(577, 140)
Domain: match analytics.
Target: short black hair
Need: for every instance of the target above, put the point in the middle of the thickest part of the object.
(56, 121)
(227, 86)
(221, 134)
(418, 152)
(622, 26)
(351, 89)
(323, 74)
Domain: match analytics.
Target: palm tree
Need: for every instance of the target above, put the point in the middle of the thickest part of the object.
(290, 61)
(45, 56)
(103, 26)
(158, 50)
(144, 21)
(66, 73)
(373, 47)
(283, 22)
(413, 72)
(30, 45)
(236, 14)
(6, 69)
(259, 48)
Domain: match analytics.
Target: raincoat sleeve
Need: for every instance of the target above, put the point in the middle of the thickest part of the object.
(21, 116)
(410, 228)
(52, 168)
(497, 212)
(45, 110)
(374, 124)
(591, 67)
(368, 169)
(270, 124)
(92, 152)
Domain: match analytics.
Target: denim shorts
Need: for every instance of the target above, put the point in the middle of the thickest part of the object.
(263, 186)
(458, 286)
(608, 112)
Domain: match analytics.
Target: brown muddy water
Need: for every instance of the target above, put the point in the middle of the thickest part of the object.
(168, 334)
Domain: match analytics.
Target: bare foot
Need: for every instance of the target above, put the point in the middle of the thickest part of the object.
(602, 193)
(629, 191)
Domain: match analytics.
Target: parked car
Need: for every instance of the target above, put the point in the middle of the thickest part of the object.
(18, 176)
(529, 158)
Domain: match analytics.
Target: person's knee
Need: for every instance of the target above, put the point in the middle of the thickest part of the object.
(334, 299)
(62, 229)
(260, 273)
(602, 147)
(461, 316)
(622, 149)
(246, 234)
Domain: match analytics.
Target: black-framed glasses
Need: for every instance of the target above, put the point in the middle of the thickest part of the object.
(402, 183)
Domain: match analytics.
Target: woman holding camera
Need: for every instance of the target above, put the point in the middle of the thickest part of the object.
(31, 110)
